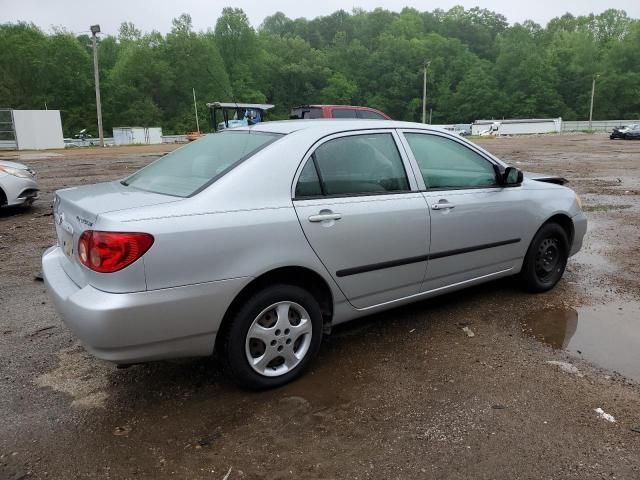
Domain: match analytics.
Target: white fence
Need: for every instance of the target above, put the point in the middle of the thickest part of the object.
(108, 141)
(529, 126)
(174, 139)
(599, 125)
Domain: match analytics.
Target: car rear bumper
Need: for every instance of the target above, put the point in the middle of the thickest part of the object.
(142, 326)
(579, 231)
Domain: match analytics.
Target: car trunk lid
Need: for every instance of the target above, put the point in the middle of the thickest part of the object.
(77, 209)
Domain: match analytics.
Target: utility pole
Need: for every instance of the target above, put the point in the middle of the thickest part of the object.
(195, 106)
(95, 29)
(593, 93)
(424, 92)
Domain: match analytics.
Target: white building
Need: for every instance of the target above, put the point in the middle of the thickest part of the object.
(525, 126)
(137, 135)
(31, 129)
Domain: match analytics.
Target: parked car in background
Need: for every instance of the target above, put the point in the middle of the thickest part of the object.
(18, 184)
(463, 129)
(342, 219)
(620, 132)
(633, 133)
(336, 111)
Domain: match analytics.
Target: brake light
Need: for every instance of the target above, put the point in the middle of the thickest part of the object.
(108, 252)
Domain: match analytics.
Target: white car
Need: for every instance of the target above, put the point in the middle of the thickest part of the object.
(18, 184)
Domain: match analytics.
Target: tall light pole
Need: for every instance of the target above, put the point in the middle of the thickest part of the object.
(593, 93)
(195, 106)
(424, 92)
(95, 29)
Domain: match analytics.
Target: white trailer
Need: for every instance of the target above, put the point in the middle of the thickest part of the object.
(137, 135)
(37, 129)
(525, 126)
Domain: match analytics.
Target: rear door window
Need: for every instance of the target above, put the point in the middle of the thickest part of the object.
(299, 113)
(369, 115)
(355, 165)
(344, 113)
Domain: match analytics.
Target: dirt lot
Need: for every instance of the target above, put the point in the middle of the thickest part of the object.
(404, 394)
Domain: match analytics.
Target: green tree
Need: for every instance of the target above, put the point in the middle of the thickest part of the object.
(238, 44)
(480, 66)
(529, 81)
(196, 64)
(339, 90)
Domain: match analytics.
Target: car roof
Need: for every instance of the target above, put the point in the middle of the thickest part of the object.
(350, 107)
(255, 106)
(331, 125)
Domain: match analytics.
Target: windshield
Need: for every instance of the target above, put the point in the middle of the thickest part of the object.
(188, 170)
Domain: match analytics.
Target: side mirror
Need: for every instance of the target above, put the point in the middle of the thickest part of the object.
(512, 176)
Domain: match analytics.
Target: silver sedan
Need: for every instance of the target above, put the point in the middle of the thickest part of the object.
(254, 241)
(18, 184)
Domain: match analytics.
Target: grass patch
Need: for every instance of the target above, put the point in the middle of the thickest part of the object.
(480, 137)
(604, 207)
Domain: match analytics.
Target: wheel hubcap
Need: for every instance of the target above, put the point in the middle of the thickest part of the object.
(278, 339)
(548, 258)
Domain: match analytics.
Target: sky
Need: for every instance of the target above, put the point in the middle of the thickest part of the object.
(77, 15)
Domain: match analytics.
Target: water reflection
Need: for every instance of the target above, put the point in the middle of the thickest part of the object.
(553, 326)
(607, 335)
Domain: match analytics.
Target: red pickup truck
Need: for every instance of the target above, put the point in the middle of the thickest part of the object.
(337, 111)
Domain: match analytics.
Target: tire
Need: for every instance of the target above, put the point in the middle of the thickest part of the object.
(280, 330)
(546, 259)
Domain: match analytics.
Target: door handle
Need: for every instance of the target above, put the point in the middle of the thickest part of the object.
(325, 216)
(442, 206)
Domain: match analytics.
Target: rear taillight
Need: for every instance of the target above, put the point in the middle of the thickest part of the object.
(108, 252)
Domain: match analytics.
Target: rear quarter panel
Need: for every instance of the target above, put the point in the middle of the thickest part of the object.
(192, 249)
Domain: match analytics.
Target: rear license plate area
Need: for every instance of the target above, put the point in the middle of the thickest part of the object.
(67, 242)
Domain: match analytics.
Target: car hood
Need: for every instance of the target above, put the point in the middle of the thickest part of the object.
(110, 197)
(541, 177)
(19, 166)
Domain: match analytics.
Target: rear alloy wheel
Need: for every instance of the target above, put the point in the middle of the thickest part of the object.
(546, 258)
(278, 339)
(273, 337)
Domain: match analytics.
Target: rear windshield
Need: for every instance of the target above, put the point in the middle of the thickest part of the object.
(186, 171)
(306, 112)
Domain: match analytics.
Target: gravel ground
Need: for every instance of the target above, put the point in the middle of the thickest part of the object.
(404, 394)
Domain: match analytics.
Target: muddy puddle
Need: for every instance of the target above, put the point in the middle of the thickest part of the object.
(606, 335)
